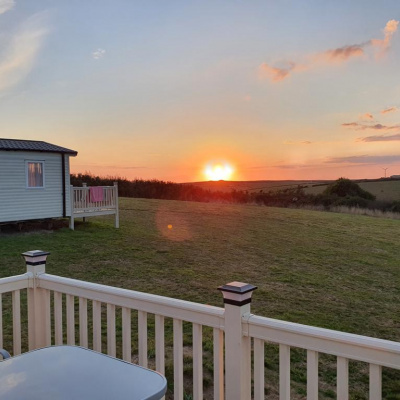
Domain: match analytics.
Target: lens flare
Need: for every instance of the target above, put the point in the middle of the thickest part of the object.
(218, 172)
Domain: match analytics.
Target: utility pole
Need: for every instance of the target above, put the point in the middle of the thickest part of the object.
(385, 169)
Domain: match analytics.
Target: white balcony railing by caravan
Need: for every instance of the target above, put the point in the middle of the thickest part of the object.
(62, 310)
(85, 204)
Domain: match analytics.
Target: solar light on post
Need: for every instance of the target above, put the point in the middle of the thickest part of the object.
(237, 298)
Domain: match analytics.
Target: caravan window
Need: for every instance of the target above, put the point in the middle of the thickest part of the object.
(35, 174)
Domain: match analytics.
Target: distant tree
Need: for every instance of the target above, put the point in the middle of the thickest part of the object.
(346, 188)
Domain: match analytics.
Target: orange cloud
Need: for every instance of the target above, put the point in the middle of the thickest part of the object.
(389, 30)
(389, 110)
(334, 56)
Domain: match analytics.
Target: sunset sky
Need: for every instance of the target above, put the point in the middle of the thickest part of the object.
(161, 89)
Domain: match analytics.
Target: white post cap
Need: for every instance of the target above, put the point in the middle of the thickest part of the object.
(35, 257)
(237, 293)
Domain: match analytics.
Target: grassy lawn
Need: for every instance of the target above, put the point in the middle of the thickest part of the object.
(331, 270)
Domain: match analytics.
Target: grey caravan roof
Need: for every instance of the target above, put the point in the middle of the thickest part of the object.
(33, 145)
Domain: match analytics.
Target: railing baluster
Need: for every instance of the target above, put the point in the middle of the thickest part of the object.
(126, 334)
(58, 317)
(1, 321)
(375, 382)
(111, 345)
(178, 360)
(16, 310)
(96, 307)
(259, 380)
(142, 326)
(284, 372)
(218, 345)
(83, 328)
(160, 344)
(342, 378)
(69, 301)
(312, 375)
(197, 362)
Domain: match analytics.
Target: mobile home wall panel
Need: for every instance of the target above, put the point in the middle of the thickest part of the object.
(19, 203)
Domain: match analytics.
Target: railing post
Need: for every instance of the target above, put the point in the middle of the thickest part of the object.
(116, 224)
(39, 332)
(237, 298)
(85, 196)
(72, 202)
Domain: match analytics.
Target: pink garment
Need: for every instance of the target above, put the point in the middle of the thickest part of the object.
(96, 193)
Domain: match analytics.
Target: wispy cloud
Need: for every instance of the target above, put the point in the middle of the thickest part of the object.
(111, 166)
(364, 159)
(381, 138)
(338, 55)
(341, 54)
(389, 110)
(292, 166)
(6, 5)
(362, 127)
(19, 56)
(350, 124)
(301, 142)
(274, 73)
(367, 117)
(99, 53)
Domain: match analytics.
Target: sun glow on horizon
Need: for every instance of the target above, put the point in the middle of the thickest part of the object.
(218, 171)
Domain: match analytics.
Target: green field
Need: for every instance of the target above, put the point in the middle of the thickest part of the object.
(330, 270)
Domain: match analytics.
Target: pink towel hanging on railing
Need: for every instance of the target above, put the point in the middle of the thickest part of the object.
(96, 193)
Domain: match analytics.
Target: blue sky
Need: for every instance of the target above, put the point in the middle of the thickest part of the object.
(159, 89)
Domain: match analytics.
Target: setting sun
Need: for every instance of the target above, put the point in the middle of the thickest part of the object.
(217, 172)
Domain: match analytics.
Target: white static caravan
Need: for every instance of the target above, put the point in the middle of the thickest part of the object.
(34, 180)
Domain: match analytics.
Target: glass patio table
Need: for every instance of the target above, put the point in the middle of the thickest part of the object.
(72, 372)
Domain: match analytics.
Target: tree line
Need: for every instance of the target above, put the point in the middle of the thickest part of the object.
(342, 192)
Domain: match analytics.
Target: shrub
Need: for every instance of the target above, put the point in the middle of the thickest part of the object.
(395, 206)
(351, 201)
(346, 188)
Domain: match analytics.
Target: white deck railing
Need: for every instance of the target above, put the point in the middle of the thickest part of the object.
(83, 205)
(62, 310)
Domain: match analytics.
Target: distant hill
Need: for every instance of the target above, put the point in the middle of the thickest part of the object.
(385, 189)
(255, 186)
